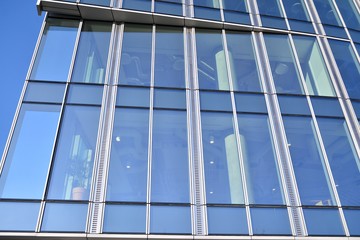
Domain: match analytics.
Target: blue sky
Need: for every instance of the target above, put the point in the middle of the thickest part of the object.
(20, 26)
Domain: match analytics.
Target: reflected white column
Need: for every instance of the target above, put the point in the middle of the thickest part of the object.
(221, 70)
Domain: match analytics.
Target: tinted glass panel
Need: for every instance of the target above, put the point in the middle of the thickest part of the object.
(296, 9)
(125, 219)
(170, 219)
(207, 3)
(64, 217)
(250, 103)
(92, 53)
(168, 8)
(353, 219)
(327, 107)
(227, 220)
(73, 163)
(282, 64)
(244, 69)
(44, 92)
(262, 176)
(169, 57)
(19, 216)
(207, 13)
(135, 97)
(221, 161)
(327, 12)
(142, 5)
(85, 94)
(30, 152)
(97, 2)
(166, 98)
(309, 167)
(349, 13)
(239, 5)
(323, 222)
(170, 164)
(129, 158)
(313, 67)
(219, 101)
(211, 61)
(270, 221)
(55, 51)
(294, 105)
(343, 160)
(269, 7)
(135, 63)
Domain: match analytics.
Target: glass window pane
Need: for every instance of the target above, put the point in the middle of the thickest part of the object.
(250, 103)
(129, 158)
(64, 217)
(19, 216)
(327, 12)
(349, 13)
(222, 167)
(348, 66)
(170, 164)
(169, 57)
(166, 98)
(353, 219)
(270, 221)
(209, 13)
(92, 53)
(294, 105)
(273, 22)
(227, 220)
(218, 101)
(237, 17)
(170, 219)
(282, 64)
(135, 63)
(207, 3)
(344, 162)
(85, 94)
(44, 92)
(55, 51)
(30, 152)
(211, 63)
(168, 7)
(73, 163)
(269, 7)
(262, 176)
(356, 106)
(133, 97)
(239, 5)
(97, 2)
(296, 9)
(313, 67)
(124, 219)
(244, 69)
(308, 163)
(323, 222)
(327, 107)
(142, 5)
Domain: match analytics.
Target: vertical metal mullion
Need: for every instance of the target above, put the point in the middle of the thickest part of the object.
(254, 13)
(284, 14)
(307, 9)
(319, 29)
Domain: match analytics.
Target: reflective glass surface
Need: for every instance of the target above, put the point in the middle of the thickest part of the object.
(349, 13)
(85, 94)
(97, 2)
(129, 156)
(250, 103)
(170, 219)
(239, 5)
(211, 63)
(19, 216)
(352, 217)
(170, 164)
(27, 161)
(169, 7)
(308, 163)
(221, 161)
(92, 53)
(343, 159)
(133, 97)
(313, 67)
(327, 12)
(261, 170)
(269, 7)
(169, 57)
(44, 92)
(323, 222)
(294, 105)
(207, 13)
(170, 98)
(55, 51)
(73, 163)
(64, 217)
(125, 219)
(244, 69)
(217, 101)
(270, 221)
(282, 63)
(142, 5)
(135, 63)
(227, 220)
(327, 107)
(348, 66)
(207, 3)
(296, 9)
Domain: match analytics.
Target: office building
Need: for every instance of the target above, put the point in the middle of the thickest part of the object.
(188, 119)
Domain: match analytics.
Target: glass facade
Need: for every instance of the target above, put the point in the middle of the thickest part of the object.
(181, 119)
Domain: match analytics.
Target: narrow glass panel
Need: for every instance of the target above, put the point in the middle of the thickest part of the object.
(85, 94)
(55, 51)
(73, 163)
(282, 64)
(262, 175)
(92, 53)
(170, 164)
(348, 66)
(27, 162)
(129, 158)
(310, 170)
(294, 105)
(217, 101)
(328, 107)
(323, 222)
(97, 2)
(44, 92)
(168, 7)
(133, 97)
(227, 220)
(312, 63)
(64, 217)
(135, 63)
(169, 57)
(170, 219)
(353, 219)
(250, 103)
(211, 63)
(269, 7)
(170, 98)
(327, 12)
(344, 162)
(244, 69)
(142, 5)
(349, 13)
(270, 221)
(295, 9)
(19, 216)
(221, 162)
(124, 219)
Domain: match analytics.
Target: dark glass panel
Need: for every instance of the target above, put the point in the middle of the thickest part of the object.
(269, 7)
(352, 217)
(327, 12)
(227, 220)
(85, 94)
(207, 13)
(19, 216)
(207, 3)
(170, 219)
(329, 107)
(168, 7)
(301, 26)
(133, 97)
(142, 5)
(217, 101)
(169, 98)
(349, 13)
(27, 161)
(239, 5)
(323, 222)
(250, 103)
(270, 221)
(44, 92)
(237, 17)
(335, 31)
(97, 2)
(294, 105)
(296, 9)
(273, 22)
